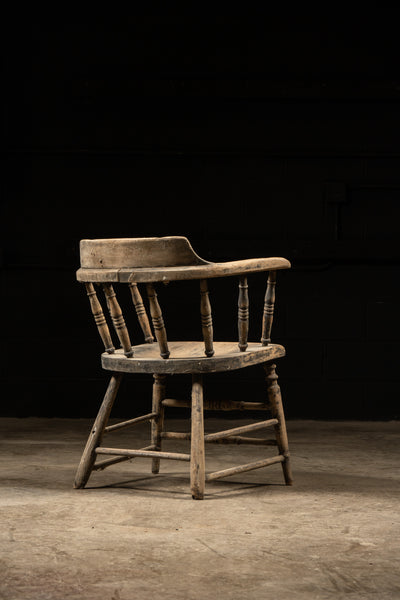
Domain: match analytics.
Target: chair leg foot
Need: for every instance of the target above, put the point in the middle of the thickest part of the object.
(275, 401)
(197, 460)
(157, 424)
(89, 454)
(287, 472)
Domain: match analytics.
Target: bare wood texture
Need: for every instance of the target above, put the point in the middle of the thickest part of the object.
(218, 404)
(233, 439)
(197, 455)
(138, 252)
(118, 319)
(141, 313)
(258, 464)
(269, 304)
(240, 439)
(275, 399)
(99, 318)
(243, 313)
(179, 273)
(210, 437)
(175, 435)
(143, 453)
(157, 423)
(103, 464)
(158, 321)
(89, 454)
(188, 357)
(130, 423)
(206, 318)
(150, 260)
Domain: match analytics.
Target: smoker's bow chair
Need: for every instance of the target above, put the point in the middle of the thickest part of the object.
(134, 261)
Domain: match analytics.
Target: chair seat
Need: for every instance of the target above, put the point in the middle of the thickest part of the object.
(189, 357)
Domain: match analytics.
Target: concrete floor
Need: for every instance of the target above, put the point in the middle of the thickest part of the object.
(135, 536)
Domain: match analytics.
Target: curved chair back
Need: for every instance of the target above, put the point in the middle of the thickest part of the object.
(150, 260)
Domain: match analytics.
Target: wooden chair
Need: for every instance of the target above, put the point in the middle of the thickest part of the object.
(134, 261)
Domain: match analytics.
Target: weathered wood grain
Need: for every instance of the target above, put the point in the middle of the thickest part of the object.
(188, 357)
(141, 313)
(258, 464)
(99, 318)
(269, 305)
(158, 321)
(206, 318)
(211, 437)
(218, 404)
(150, 260)
(240, 439)
(138, 252)
(130, 422)
(118, 319)
(108, 462)
(243, 313)
(197, 454)
(143, 453)
(232, 439)
(275, 399)
(157, 423)
(179, 273)
(89, 454)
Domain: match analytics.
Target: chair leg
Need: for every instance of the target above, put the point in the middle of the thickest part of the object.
(89, 454)
(275, 400)
(157, 424)
(197, 455)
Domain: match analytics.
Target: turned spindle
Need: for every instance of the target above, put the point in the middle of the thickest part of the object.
(158, 321)
(269, 304)
(206, 318)
(141, 313)
(99, 318)
(243, 313)
(118, 319)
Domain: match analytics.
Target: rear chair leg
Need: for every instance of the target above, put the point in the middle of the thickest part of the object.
(89, 454)
(157, 424)
(197, 456)
(275, 400)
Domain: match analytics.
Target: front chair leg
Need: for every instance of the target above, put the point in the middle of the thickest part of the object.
(197, 456)
(89, 454)
(275, 400)
(157, 424)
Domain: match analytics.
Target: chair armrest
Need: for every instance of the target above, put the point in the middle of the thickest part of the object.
(178, 273)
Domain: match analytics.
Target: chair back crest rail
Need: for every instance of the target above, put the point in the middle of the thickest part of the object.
(150, 260)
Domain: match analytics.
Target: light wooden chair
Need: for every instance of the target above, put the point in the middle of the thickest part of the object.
(147, 261)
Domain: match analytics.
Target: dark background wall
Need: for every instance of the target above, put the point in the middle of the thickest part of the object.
(252, 137)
